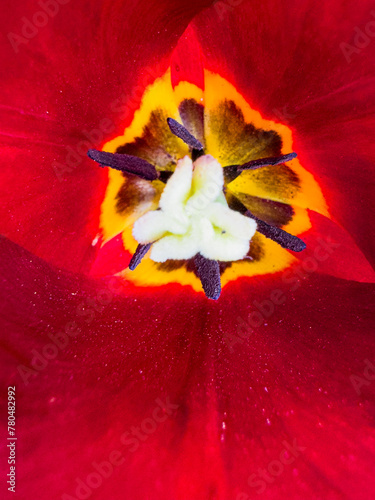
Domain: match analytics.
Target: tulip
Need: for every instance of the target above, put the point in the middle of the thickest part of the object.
(129, 380)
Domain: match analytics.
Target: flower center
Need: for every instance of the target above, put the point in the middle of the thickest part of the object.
(193, 220)
(194, 217)
(201, 191)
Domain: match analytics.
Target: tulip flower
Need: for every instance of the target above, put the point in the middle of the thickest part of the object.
(186, 260)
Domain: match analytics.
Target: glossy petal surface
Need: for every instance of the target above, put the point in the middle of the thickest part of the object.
(239, 391)
(268, 392)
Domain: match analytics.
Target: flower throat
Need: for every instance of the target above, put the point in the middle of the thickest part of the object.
(194, 219)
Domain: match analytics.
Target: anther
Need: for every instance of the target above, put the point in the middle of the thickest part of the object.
(138, 255)
(125, 163)
(266, 162)
(209, 274)
(231, 172)
(183, 133)
(284, 239)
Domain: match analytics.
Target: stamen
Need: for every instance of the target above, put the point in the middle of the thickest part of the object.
(209, 274)
(183, 133)
(125, 163)
(231, 172)
(266, 162)
(284, 239)
(138, 255)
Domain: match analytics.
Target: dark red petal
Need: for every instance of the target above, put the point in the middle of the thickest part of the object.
(302, 378)
(287, 55)
(69, 85)
(292, 64)
(275, 365)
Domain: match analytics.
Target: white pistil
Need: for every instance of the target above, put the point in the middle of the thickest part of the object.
(194, 217)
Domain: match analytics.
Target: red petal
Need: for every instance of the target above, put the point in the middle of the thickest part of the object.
(293, 65)
(286, 384)
(341, 155)
(286, 56)
(187, 60)
(111, 259)
(331, 250)
(68, 85)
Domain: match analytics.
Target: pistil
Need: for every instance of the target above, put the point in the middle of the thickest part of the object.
(193, 220)
(194, 217)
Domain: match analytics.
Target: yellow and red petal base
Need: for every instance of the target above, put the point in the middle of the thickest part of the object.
(234, 133)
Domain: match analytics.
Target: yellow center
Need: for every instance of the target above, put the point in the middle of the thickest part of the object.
(233, 133)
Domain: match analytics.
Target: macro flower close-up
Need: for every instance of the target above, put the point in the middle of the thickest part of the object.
(187, 253)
